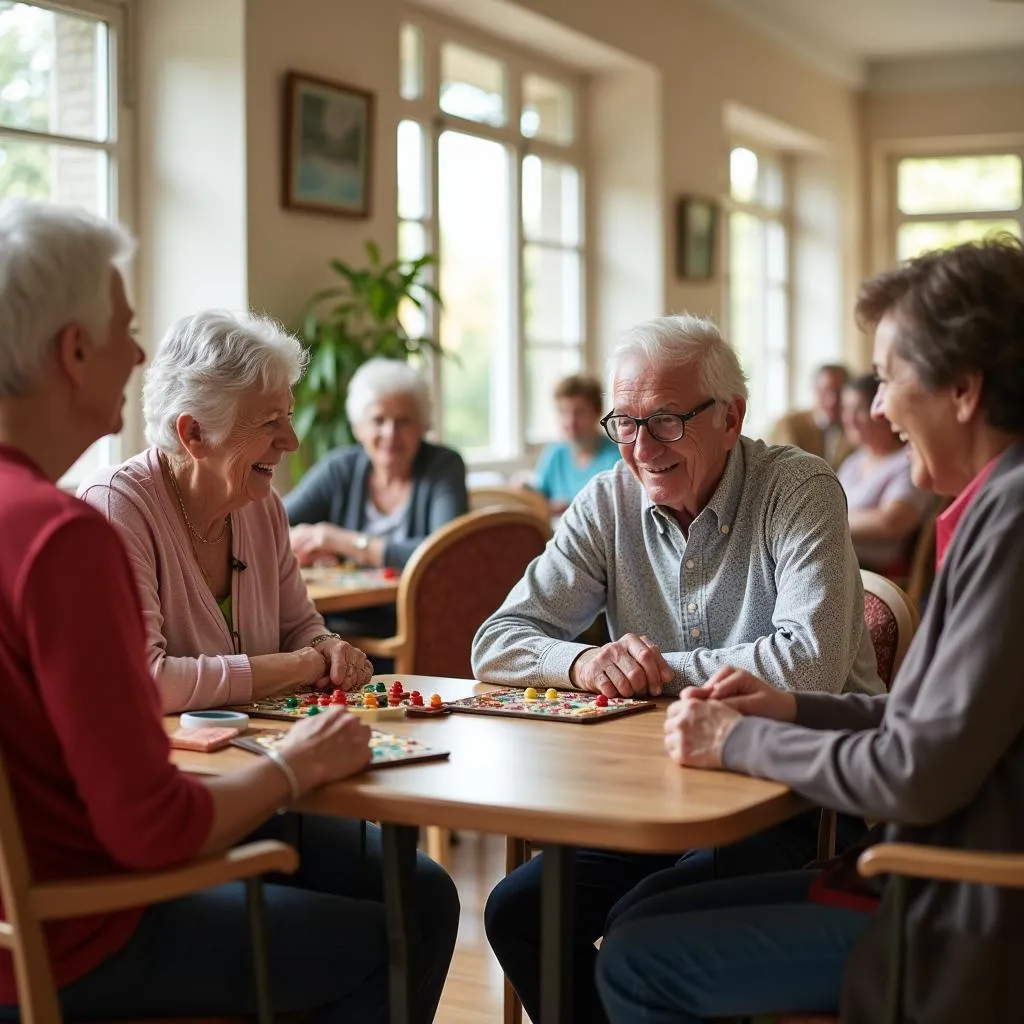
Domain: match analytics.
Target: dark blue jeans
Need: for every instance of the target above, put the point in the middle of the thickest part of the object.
(327, 945)
(732, 948)
(603, 878)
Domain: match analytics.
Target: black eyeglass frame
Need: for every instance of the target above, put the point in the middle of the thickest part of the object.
(683, 418)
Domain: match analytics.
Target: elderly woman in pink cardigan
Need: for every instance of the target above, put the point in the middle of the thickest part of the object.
(227, 615)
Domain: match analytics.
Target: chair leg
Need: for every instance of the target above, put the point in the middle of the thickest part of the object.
(517, 853)
(258, 937)
(439, 842)
(827, 835)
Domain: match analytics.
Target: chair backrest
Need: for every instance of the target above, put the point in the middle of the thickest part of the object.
(455, 580)
(921, 572)
(21, 932)
(505, 497)
(892, 620)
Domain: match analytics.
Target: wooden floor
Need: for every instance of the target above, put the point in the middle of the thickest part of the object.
(472, 994)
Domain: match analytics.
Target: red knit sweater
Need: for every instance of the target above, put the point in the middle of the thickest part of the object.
(80, 726)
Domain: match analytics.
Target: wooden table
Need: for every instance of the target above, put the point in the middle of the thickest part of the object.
(334, 590)
(607, 785)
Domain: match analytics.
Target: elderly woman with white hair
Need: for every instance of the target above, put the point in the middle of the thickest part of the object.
(227, 614)
(374, 503)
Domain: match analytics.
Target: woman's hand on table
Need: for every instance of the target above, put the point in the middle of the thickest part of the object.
(313, 541)
(347, 666)
(696, 728)
(327, 747)
(750, 695)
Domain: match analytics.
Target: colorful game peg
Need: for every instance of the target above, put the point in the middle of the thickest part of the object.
(370, 700)
(551, 694)
(416, 699)
(324, 701)
(339, 697)
(529, 693)
(380, 688)
(312, 710)
(292, 702)
(601, 701)
(394, 699)
(311, 698)
(435, 700)
(388, 573)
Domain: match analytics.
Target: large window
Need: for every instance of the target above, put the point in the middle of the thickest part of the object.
(757, 279)
(944, 200)
(59, 127)
(489, 179)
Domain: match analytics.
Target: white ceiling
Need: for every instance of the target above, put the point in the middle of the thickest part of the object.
(872, 29)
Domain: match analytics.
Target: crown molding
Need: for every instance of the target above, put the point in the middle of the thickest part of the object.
(946, 71)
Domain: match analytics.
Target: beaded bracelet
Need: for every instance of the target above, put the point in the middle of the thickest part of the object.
(322, 637)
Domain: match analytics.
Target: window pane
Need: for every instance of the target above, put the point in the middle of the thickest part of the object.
(743, 174)
(412, 160)
(54, 72)
(776, 257)
(547, 110)
(551, 295)
(545, 367)
(472, 85)
(960, 183)
(913, 239)
(412, 244)
(60, 174)
(411, 48)
(551, 202)
(474, 219)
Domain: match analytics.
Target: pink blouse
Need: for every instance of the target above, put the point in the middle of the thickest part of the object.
(188, 641)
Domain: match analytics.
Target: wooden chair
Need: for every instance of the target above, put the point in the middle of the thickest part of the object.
(921, 573)
(456, 579)
(505, 497)
(28, 905)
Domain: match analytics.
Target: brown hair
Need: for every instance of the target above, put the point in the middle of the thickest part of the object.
(866, 385)
(960, 310)
(581, 385)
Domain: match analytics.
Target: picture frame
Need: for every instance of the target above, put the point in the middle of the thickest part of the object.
(327, 146)
(696, 238)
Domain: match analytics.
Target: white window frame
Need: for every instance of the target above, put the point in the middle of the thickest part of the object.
(119, 150)
(433, 121)
(783, 216)
(897, 218)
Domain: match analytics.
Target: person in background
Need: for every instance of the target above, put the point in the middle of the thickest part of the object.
(83, 743)
(566, 467)
(885, 507)
(375, 502)
(228, 617)
(819, 430)
(940, 759)
(705, 548)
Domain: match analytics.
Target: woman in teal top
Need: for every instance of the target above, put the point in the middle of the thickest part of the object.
(565, 468)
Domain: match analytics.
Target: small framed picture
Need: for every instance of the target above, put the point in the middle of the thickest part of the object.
(696, 230)
(328, 146)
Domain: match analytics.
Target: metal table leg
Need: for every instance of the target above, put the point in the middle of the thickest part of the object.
(556, 932)
(398, 848)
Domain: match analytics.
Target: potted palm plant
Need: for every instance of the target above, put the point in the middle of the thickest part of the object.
(344, 326)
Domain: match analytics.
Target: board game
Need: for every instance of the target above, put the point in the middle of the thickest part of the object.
(550, 706)
(345, 576)
(375, 701)
(386, 749)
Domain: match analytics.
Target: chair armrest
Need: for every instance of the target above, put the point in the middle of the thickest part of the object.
(916, 861)
(103, 895)
(382, 647)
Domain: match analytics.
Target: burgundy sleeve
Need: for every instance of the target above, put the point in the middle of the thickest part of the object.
(81, 615)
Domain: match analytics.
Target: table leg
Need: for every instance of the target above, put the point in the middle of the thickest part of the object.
(398, 848)
(556, 931)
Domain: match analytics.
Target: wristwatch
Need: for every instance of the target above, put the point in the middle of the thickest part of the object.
(362, 542)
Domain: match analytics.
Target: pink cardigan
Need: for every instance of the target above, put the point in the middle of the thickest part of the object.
(186, 635)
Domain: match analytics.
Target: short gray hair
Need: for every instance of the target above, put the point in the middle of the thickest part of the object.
(376, 379)
(685, 341)
(206, 363)
(56, 264)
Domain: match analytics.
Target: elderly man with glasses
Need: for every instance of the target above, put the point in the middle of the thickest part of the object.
(705, 549)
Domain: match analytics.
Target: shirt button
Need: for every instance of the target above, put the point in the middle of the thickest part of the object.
(691, 607)
(695, 631)
(725, 529)
(689, 563)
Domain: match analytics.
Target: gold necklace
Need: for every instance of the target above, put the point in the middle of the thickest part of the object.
(188, 522)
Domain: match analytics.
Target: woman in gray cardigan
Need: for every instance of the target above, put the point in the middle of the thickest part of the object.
(376, 502)
(941, 759)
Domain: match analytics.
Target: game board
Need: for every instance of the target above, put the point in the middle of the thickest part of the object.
(549, 706)
(393, 702)
(386, 749)
(346, 576)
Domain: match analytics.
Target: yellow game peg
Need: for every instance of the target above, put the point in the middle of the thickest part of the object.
(552, 693)
(529, 693)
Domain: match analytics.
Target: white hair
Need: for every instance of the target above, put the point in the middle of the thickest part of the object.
(56, 264)
(378, 378)
(685, 342)
(206, 363)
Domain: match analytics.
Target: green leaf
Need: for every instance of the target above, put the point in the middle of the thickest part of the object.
(303, 421)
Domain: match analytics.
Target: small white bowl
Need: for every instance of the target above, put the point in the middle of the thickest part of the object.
(236, 720)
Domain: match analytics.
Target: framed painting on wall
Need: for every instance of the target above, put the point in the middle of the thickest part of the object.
(328, 146)
(696, 230)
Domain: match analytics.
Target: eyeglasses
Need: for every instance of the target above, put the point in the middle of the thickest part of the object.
(662, 426)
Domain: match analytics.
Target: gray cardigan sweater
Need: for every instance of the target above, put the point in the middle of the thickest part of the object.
(334, 491)
(942, 759)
